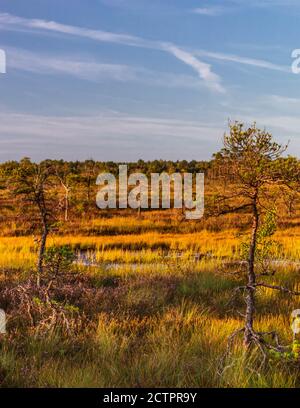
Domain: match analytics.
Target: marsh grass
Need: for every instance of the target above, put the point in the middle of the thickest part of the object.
(180, 347)
(20, 252)
(157, 306)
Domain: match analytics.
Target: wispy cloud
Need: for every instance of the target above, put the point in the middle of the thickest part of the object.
(45, 64)
(243, 60)
(266, 3)
(94, 71)
(190, 57)
(110, 136)
(288, 124)
(211, 79)
(279, 104)
(211, 11)
(284, 100)
(204, 70)
(218, 7)
(8, 21)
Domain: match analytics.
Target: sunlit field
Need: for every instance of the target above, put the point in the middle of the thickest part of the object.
(152, 308)
(145, 248)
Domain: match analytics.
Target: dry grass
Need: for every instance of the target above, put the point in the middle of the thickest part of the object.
(20, 252)
(151, 313)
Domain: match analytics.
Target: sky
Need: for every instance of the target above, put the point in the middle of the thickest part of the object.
(125, 80)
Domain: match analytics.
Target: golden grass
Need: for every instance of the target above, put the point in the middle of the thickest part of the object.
(182, 347)
(170, 325)
(152, 247)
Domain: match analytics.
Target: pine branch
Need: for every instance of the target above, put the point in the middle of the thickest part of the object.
(279, 288)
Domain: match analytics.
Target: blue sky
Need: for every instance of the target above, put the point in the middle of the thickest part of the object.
(129, 79)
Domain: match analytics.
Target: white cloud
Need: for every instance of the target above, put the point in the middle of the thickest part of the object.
(282, 101)
(209, 11)
(244, 60)
(102, 125)
(266, 3)
(212, 80)
(233, 6)
(107, 136)
(11, 21)
(45, 64)
(95, 71)
(204, 70)
(287, 123)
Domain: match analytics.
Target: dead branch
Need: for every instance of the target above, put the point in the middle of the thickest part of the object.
(279, 288)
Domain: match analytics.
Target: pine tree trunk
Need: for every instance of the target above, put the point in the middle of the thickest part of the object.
(66, 204)
(41, 257)
(250, 297)
(43, 214)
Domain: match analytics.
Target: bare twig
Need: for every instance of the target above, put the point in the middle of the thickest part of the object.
(279, 288)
